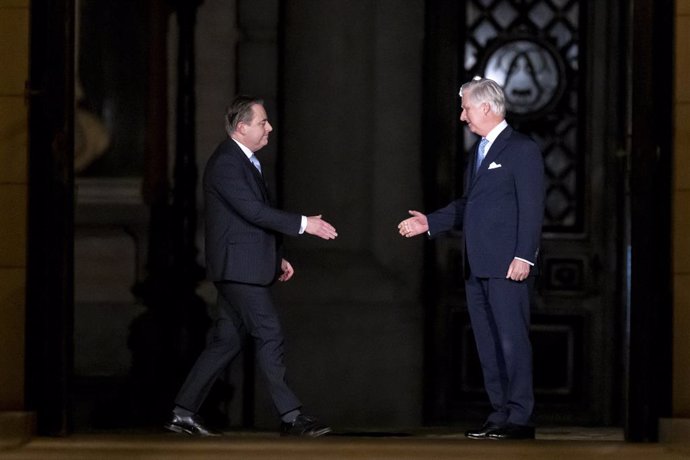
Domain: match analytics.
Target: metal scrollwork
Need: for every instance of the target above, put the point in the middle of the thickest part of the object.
(530, 73)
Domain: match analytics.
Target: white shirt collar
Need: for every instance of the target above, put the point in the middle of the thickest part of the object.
(498, 129)
(244, 148)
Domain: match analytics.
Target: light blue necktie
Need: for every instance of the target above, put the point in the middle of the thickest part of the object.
(255, 162)
(481, 152)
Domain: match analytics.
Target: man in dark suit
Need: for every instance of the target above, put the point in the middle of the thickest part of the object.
(501, 215)
(243, 258)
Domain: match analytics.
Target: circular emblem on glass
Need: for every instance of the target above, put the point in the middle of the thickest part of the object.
(530, 72)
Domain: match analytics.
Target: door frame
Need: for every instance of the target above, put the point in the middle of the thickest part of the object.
(649, 387)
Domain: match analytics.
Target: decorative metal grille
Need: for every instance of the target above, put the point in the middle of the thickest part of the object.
(532, 49)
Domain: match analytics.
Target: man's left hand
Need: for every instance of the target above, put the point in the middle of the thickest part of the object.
(287, 269)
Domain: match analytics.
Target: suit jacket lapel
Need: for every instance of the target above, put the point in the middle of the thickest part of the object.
(257, 175)
(495, 151)
(260, 179)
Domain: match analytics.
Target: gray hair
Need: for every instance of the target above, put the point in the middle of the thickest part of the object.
(240, 111)
(482, 90)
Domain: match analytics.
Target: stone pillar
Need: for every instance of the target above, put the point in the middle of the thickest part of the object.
(14, 52)
(351, 150)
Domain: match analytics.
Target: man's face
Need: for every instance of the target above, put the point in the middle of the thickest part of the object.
(478, 116)
(475, 115)
(255, 134)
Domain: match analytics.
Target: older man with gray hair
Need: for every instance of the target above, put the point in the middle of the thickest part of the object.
(501, 215)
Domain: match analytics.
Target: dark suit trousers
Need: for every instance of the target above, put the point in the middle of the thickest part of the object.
(500, 314)
(243, 309)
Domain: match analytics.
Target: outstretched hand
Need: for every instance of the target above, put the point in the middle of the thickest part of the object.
(414, 225)
(318, 227)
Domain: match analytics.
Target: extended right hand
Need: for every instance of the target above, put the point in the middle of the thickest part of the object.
(414, 225)
(318, 227)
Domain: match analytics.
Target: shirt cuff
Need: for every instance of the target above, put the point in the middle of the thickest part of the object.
(303, 225)
(525, 260)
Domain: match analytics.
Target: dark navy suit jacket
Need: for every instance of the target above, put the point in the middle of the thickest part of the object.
(242, 226)
(502, 209)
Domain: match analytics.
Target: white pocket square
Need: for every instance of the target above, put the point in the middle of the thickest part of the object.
(494, 165)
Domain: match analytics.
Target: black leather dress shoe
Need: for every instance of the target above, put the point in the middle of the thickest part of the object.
(511, 431)
(483, 432)
(190, 425)
(304, 425)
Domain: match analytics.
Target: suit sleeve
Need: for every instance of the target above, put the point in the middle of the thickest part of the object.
(231, 183)
(529, 189)
(447, 218)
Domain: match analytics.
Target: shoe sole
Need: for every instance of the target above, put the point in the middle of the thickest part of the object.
(320, 432)
(310, 434)
(496, 438)
(176, 429)
(477, 438)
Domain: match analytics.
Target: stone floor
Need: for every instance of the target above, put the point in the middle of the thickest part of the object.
(563, 443)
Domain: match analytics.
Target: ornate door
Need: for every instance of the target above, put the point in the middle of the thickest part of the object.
(553, 58)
